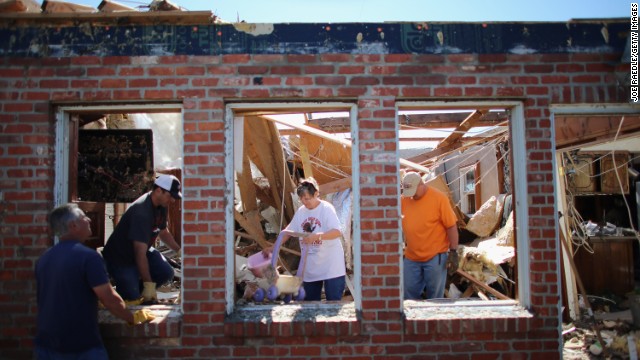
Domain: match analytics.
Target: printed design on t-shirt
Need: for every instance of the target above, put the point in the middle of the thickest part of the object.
(309, 225)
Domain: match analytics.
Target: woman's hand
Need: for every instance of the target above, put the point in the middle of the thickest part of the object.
(311, 239)
(267, 251)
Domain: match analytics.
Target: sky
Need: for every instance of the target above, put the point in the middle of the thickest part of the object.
(350, 11)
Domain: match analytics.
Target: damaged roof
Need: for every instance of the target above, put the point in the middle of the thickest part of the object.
(61, 29)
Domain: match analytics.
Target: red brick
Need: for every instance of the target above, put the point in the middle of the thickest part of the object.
(175, 82)
(192, 93)
(101, 71)
(113, 83)
(416, 91)
(158, 94)
(131, 71)
(18, 107)
(347, 70)
(189, 70)
(362, 80)
(146, 82)
(116, 60)
(554, 79)
(253, 69)
(398, 58)
(461, 80)
(208, 81)
(478, 91)
(286, 70)
(54, 84)
(161, 71)
(236, 59)
(325, 69)
(4, 73)
(85, 83)
(448, 91)
(397, 80)
(74, 72)
(586, 79)
(318, 92)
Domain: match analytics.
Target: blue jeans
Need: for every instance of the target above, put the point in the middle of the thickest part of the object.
(333, 289)
(98, 353)
(127, 278)
(431, 275)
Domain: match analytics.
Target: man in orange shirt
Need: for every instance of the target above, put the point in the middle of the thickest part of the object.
(430, 232)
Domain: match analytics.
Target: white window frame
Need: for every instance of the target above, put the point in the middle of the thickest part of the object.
(519, 168)
(464, 194)
(229, 189)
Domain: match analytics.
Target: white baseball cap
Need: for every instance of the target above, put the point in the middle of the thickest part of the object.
(171, 184)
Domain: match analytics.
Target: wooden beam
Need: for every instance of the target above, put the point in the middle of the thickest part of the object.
(482, 285)
(452, 141)
(429, 156)
(574, 131)
(260, 137)
(341, 124)
(304, 152)
(335, 186)
(284, 184)
(246, 185)
(327, 136)
(461, 129)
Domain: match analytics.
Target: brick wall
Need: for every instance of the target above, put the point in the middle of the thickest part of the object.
(31, 87)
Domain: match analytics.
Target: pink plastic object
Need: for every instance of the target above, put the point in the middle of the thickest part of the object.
(257, 262)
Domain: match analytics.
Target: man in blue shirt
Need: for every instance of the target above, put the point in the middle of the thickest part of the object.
(71, 278)
(129, 253)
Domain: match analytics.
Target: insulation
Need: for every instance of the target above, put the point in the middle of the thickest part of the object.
(486, 219)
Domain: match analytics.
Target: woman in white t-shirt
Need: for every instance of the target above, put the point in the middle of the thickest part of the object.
(324, 265)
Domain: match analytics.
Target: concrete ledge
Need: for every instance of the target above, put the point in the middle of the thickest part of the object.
(308, 319)
(465, 316)
(167, 324)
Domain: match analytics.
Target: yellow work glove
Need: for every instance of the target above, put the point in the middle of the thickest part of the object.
(133, 302)
(179, 253)
(142, 316)
(149, 292)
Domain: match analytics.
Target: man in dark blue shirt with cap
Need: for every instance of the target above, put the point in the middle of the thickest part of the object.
(131, 259)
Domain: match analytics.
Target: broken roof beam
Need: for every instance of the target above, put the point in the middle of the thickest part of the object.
(453, 141)
(449, 119)
(50, 7)
(265, 140)
(328, 136)
(163, 5)
(341, 124)
(112, 6)
(23, 6)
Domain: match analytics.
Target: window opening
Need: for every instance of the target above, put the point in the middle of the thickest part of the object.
(597, 162)
(465, 151)
(110, 156)
(275, 147)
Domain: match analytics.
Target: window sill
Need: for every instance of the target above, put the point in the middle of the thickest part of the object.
(465, 316)
(309, 319)
(167, 323)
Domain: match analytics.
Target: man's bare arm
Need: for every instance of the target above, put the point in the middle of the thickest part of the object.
(113, 302)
